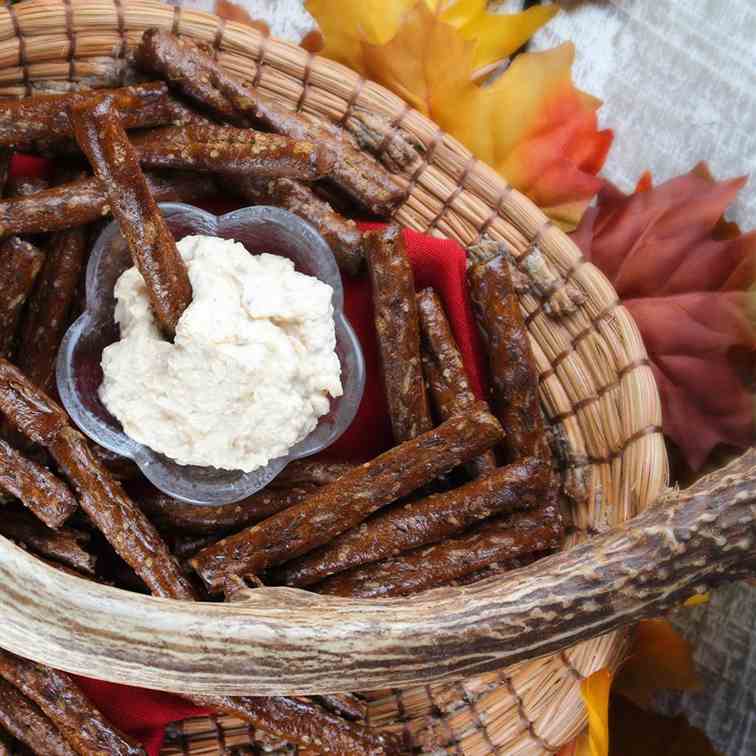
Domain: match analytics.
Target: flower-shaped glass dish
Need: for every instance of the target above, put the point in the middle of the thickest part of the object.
(79, 375)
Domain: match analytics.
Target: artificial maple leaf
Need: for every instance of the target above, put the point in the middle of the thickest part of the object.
(659, 658)
(531, 124)
(683, 275)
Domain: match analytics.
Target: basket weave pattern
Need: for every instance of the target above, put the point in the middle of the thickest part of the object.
(594, 375)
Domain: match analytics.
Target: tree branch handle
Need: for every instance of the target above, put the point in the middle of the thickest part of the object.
(284, 640)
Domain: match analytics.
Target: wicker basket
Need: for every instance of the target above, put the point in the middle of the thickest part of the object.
(595, 378)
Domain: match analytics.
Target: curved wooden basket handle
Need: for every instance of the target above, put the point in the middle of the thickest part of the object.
(284, 641)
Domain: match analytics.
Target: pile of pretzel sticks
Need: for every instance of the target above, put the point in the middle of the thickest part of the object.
(468, 490)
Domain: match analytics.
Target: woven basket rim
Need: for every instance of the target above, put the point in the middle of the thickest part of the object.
(595, 378)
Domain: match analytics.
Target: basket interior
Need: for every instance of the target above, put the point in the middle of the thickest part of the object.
(595, 380)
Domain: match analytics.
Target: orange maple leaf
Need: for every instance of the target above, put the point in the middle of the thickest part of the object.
(531, 124)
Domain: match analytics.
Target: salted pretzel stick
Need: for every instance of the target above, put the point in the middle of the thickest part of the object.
(522, 485)
(46, 116)
(103, 140)
(304, 472)
(305, 723)
(46, 315)
(130, 533)
(341, 234)
(63, 545)
(80, 202)
(226, 149)
(512, 368)
(77, 718)
(342, 505)
(445, 371)
(20, 264)
(345, 704)
(121, 468)
(24, 720)
(169, 514)
(46, 495)
(398, 331)
(187, 67)
(494, 540)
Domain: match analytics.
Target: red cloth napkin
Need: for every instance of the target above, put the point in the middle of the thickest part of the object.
(436, 263)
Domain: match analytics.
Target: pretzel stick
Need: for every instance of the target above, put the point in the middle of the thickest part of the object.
(493, 541)
(348, 501)
(398, 331)
(121, 468)
(47, 116)
(225, 149)
(80, 722)
(521, 485)
(103, 140)
(304, 723)
(345, 704)
(46, 495)
(20, 264)
(445, 371)
(186, 66)
(170, 514)
(80, 202)
(22, 719)
(63, 545)
(45, 320)
(130, 533)
(24, 186)
(514, 376)
(304, 472)
(341, 234)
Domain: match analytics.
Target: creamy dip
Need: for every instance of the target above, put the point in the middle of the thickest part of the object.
(251, 368)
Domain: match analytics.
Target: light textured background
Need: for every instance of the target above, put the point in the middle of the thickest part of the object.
(678, 79)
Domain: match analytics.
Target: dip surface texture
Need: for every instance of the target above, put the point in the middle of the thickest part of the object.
(251, 368)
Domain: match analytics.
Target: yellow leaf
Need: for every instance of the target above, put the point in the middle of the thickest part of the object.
(595, 692)
(497, 36)
(660, 658)
(697, 599)
(532, 124)
(346, 24)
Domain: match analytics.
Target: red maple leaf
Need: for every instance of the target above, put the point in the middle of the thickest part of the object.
(683, 273)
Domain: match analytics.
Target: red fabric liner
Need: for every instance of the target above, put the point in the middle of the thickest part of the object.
(436, 263)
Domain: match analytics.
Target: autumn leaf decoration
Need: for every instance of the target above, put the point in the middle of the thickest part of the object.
(531, 124)
(683, 273)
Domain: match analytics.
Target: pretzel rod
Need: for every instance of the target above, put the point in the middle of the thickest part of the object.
(186, 66)
(80, 202)
(79, 721)
(492, 541)
(344, 704)
(124, 525)
(304, 472)
(121, 468)
(183, 546)
(225, 149)
(45, 319)
(63, 545)
(24, 186)
(445, 371)
(130, 533)
(304, 723)
(103, 140)
(398, 331)
(170, 514)
(513, 373)
(22, 719)
(521, 485)
(47, 116)
(342, 505)
(341, 234)
(20, 264)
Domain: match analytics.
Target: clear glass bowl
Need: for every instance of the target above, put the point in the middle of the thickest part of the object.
(79, 375)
